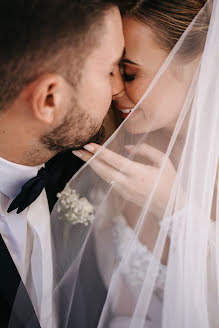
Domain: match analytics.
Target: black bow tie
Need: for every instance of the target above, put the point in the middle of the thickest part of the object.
(57, 172)
(30, 191)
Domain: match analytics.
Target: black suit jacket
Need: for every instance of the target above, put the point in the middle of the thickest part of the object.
(84, 313)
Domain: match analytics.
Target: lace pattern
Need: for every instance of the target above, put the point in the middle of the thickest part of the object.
(139, 257)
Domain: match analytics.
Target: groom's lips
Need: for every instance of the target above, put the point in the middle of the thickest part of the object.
(124, 111)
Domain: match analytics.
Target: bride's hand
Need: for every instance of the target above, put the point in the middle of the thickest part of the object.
(134, 181)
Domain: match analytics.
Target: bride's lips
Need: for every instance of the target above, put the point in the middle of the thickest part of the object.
(124, 111)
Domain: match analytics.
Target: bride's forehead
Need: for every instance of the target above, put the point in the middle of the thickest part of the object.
(141, 45)
(138, 32)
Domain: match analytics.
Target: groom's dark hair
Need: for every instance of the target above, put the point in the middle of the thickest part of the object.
(38, 36)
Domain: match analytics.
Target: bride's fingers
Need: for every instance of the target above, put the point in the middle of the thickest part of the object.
(117, 161)
(82, 154)
(145, 150)
(105, 171)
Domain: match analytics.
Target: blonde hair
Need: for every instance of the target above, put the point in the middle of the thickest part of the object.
(167, 18)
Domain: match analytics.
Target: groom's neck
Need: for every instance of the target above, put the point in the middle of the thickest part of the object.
(19, 138)
(17, 153)
(19, 147)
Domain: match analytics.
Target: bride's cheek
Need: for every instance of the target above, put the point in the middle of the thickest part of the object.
(136, 89)
(132, 91)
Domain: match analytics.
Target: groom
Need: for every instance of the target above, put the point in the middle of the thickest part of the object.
(58, 74)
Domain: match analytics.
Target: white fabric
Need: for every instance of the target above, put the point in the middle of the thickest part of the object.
(137, 265)
(27, 234)
(134, 272)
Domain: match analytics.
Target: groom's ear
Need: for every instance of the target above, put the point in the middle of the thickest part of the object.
(45, 97)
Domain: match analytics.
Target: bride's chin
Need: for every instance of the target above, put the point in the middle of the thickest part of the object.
(137, 123)
(143, 126)
(138, 128)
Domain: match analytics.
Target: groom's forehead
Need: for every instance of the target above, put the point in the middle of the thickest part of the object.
(106, 55)
(111, 45)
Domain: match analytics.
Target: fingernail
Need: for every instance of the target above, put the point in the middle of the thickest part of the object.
(77, 153)
(89, 148)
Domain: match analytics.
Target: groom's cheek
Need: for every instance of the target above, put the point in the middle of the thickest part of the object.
(97, 97)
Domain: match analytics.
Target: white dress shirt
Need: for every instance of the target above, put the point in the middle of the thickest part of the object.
(28, 238)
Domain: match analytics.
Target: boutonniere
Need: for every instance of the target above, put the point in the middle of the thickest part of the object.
(73, 208)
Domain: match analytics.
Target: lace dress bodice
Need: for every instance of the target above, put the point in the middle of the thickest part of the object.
(139, 258)
(134, 273)
(136, 264)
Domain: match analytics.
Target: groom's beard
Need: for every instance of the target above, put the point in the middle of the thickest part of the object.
(97, 138)
(76, 130)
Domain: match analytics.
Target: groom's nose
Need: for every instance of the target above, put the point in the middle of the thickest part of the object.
(117, 82)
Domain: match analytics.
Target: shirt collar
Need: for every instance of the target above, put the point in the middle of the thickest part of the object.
(13, 176)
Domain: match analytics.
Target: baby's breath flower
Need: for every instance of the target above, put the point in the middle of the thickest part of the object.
(73, 208)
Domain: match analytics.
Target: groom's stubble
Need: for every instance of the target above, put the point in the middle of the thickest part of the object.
(77, 129)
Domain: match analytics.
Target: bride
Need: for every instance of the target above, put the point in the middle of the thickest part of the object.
(148, 163)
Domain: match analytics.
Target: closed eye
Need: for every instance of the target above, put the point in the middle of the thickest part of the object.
(128, 77)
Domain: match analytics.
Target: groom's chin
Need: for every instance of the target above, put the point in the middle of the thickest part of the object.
(98, 138)
(58, 144)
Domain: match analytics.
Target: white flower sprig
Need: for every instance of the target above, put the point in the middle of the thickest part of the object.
(73, 208)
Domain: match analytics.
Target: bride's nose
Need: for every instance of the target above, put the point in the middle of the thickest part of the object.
(117, 82)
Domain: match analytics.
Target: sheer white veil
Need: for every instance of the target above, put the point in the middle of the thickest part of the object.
(138, 247)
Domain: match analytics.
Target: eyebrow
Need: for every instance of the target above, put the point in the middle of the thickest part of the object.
(130, 62)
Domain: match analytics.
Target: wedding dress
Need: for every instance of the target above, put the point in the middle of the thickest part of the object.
(138, 262)
(134, 271)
